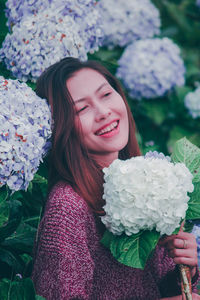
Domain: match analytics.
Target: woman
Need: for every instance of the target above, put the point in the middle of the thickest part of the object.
(92, 126)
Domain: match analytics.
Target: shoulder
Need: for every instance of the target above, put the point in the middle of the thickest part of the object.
(66, 210)
(66, 220)
(64, 199)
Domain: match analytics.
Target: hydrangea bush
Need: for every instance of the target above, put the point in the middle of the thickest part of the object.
(149, 68)
(196, 232)
(25, 128)
(42, 39)
(192, 102)
(84, 14)
(143, 193)
(126, 21)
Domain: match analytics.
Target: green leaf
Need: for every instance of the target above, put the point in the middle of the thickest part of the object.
(176, 133)
(17, 290)
(193, 211)
(4, 289)
(4, 208)
(39, 179)
(182, 91)
(188, 226)
(106, 239)
(37, 297)
(12, 260)
(156, 109)
(31, 85)
(22, 240)
(28, 289)
(15, 214)
(178, 16)
(132, 250)
(189, 154)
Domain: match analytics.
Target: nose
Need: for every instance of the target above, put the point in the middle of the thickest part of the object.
(102, 112)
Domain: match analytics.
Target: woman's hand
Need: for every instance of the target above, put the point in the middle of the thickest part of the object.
(182, 247)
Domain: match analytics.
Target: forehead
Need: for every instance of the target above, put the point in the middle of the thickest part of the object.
(84, 82)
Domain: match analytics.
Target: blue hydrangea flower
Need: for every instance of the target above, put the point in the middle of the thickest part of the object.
(196, 232)
(149, 68)
(198, 2)
(84, 14)
(126, 21)
(25, 129)
(155, 154)
(17, 9)
(39, 41)
(192, 102)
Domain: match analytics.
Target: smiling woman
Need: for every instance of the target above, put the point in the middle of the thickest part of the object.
(92, 126)
(101, 113)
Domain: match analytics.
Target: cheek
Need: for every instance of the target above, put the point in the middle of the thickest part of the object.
(83, 125)
(124, 112)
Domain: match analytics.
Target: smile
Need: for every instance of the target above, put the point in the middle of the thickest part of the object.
(108, 129)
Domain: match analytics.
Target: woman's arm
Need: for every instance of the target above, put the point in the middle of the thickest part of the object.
(63, 267)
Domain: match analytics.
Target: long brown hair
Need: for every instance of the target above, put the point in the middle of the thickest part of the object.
(69, 159)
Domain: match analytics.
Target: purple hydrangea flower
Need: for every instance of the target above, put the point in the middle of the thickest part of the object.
(192, 102)
(84, 14)
(198, 3)
(25, 129)
(39, 41)
(149, 68)
(196, 232)
(17, 9)
(126, 21)
(155, 154)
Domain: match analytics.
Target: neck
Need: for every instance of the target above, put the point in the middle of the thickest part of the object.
(104, 161)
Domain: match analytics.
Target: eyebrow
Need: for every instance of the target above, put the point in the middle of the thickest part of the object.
(99, 88)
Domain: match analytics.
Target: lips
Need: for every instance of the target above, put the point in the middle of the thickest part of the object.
(107, 128)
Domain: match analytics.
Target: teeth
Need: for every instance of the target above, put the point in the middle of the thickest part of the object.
(108, 128)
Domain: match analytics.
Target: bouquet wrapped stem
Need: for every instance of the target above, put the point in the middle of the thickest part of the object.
(186, 285)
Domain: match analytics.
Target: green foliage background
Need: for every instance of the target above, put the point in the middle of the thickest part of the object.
(160, 123)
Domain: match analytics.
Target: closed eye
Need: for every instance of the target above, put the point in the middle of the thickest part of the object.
(81, 109)
(107, 94)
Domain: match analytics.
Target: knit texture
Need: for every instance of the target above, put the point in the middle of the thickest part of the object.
(71, 263)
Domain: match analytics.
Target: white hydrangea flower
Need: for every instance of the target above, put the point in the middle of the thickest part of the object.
(149, 68)
(25, 128)
(145, 193)
(127, 21)
(39, 41)
(192, 102)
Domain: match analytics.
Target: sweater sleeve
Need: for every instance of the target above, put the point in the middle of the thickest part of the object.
(63, 267)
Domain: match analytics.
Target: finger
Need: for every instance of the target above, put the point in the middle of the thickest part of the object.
(185, 235)
(185, 261)
(187, 253)
(177, 243)
(181, 244)
(166, 240)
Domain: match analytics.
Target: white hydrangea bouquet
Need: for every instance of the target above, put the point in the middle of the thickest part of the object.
(147, 197)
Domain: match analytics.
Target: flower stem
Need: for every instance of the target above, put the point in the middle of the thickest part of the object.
(186, 285)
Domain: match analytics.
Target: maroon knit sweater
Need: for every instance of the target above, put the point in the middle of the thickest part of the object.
(71, 263)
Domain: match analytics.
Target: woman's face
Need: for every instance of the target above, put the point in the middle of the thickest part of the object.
(102, 114)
